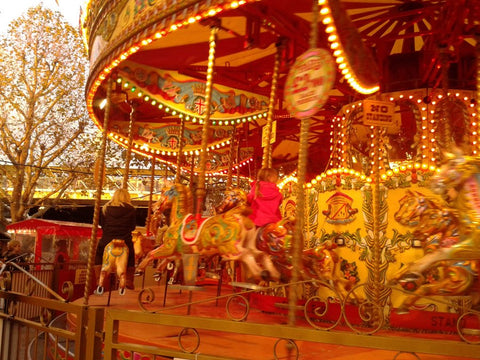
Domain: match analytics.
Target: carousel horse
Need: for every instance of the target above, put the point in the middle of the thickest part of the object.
(456, 230)
(433, 223)
(320, 263)
(223, 234)
(323, 263)
(159, 222)
(142, 245)
(412, 205)
(115, 258)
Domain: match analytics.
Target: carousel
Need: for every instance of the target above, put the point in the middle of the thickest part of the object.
(368, 110)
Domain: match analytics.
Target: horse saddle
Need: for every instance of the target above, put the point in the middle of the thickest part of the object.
(270, 238)
(191, 227)
(118, 247)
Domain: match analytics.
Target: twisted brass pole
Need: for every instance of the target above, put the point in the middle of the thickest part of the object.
(376, 260)
(230, 158)
(128, 155)
(181, 143)
(267, 152)
(297, 242)
(447, 130)
(200, 192)
(98, 196)
(476, 139)
(150, 197)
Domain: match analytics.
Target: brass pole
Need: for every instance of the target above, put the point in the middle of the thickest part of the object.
(230, 158)
(297, 241)
(98, 196)
(181, 143)
(237, 154)
(200, 192)
(267, 150)
(192, 170)
(150, 198)
(447, 131)
(476, 138)
(128, 155)
(376, 203)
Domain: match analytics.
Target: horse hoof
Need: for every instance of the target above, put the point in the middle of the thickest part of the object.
(265, 275)
(402, 310)
(99, 290)
(121, 291)
(411, 277)
(138, 273)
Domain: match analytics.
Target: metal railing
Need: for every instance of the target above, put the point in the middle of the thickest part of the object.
(94, 332)
(28, 308)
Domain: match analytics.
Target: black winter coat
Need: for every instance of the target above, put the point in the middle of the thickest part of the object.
(118, 222)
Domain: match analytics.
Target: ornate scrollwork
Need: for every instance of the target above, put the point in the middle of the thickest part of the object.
(469, 334)
(185, 331)
(45, 316)
(6, 281)
(145, 296)
(318, 309)
(291, 346)
(67, 288)
(239, 301)
(371, 314)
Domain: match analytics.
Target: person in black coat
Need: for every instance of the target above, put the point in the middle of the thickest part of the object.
(14, 254)
(118, 220)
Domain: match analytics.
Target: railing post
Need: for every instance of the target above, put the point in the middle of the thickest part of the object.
(92, 335)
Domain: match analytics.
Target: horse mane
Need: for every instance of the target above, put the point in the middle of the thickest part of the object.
(185, 198)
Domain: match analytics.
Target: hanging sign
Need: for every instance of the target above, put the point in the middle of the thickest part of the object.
(308, 83)
(378, 113)
(273, 136)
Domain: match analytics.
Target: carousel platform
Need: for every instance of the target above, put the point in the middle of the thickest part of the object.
(205, 302)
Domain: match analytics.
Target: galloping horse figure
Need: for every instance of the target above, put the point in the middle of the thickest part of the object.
(455, 230)
(223, 234)
(115, 258)
(435, 226)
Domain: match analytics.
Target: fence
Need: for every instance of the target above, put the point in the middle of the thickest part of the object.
(95, 332)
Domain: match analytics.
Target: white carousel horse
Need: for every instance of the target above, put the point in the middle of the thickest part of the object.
(222, 234)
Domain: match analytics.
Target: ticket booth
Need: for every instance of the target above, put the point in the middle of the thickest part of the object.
(52, 241)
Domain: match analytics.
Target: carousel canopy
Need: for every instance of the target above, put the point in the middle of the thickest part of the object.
(157, 56)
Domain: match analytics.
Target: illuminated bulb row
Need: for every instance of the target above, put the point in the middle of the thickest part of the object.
(417, 166)
(335, 172)
(187, 169)
(288, 179)
(155, 102)
(385, 176)
(475, 144)
(144, 42)
(236, 167)
(429, 142)
(225, 172)
(147, 150)
(338, 142)
(338, 52)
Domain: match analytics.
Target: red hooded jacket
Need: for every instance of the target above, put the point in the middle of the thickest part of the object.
(266, 206)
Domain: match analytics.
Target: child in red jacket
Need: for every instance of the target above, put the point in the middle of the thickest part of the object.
(265, 198)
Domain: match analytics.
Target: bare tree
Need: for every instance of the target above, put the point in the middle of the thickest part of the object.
(43, 119)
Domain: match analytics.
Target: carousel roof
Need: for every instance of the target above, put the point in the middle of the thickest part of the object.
(158, 56)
